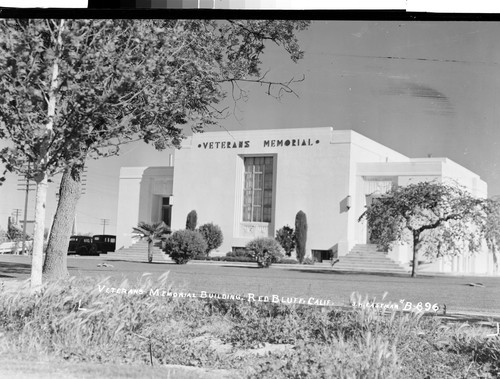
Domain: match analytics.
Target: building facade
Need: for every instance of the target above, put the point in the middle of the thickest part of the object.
(252, 183)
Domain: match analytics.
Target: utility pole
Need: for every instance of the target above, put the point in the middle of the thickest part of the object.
(104, 222)
(26, 187)
(26, 210)
(16, 213)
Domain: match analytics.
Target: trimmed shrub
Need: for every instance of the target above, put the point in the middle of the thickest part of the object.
(237, 259)
(238, 252)
(286, 238)
(308, 261)
(242, 252)
(224, 259)
(265, 251)
(203, 257)
(183, 245)
(300, 235)
(191, 220)
(288, 261)
(213, 236)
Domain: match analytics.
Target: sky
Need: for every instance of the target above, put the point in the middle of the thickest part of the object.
(485, 6)
(420, 88)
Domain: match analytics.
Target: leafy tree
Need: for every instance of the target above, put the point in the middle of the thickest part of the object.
(191, 220)
(213, 236)
(265, 251)
(151, 232)
(492, 227)
(438, 218)
(78, 89)
(183, 245)
(300, 235)
(14, 233)
(286, 238)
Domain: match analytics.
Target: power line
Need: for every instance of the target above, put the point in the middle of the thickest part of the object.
(104, 222)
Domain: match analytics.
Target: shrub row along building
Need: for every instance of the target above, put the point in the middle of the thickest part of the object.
(252, 183)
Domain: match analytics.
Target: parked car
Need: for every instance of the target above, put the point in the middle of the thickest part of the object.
(104, 243)
(82, 245)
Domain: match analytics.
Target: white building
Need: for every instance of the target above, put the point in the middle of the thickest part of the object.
(251, 183)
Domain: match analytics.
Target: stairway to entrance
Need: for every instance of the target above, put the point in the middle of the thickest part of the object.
(138, 252)
(366, 258)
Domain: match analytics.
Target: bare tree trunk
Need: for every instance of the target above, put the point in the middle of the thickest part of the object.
(150, 251)
(415, 250)
(37, 257)
(55, 265)
(41, 176)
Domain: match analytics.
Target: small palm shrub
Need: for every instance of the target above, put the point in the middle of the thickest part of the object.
(213, 236)
(265, 251)
(183, 245)
(151, 232)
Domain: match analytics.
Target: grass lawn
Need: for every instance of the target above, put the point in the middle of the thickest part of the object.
(288, 281)
(71, 329)
(33, 367)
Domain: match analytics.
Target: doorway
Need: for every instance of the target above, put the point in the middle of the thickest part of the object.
(369, 201)
(166, 211)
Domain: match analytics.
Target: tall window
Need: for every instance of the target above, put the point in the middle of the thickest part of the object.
(258, 190)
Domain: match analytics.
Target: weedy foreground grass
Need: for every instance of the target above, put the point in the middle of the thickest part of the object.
(78, 320)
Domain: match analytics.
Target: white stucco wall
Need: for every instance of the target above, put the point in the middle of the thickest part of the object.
(139, 195)
(312, 177)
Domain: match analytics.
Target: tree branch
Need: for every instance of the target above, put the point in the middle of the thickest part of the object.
(283, 86)
(455, 216)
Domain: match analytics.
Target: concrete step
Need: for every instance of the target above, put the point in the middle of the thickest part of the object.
(366, 251)
(137, 258)
(366, 258)
(138, 252)
(370, 270)
(366, 264)
(365, 247)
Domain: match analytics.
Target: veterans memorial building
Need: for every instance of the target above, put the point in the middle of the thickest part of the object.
(252, 183)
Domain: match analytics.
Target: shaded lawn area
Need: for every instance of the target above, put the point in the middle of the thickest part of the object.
(14, 269)
(287, 281)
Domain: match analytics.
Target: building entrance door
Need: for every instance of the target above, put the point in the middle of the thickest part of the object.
(166, 211)
(369, 201)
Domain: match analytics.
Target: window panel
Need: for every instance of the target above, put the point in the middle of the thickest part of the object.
(258, 181)
(247, 213)
(258, 189)
(268, 182)
(257, 198)
(257, 215)
(268, 199)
